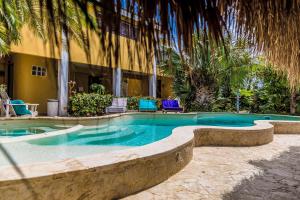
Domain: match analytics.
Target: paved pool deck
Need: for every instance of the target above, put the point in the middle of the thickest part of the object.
(270, 171)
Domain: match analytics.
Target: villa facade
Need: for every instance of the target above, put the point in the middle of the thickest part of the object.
(34, 72)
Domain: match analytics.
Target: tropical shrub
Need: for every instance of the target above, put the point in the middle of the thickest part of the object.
(210, 78)
(133, 103)
(222, 104)
(3, 87)
(92, 104)
(210, 72)
(97, 88)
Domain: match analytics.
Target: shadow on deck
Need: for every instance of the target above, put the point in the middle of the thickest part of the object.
(279, 179)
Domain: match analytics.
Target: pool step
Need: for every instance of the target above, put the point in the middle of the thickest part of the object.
(101, 138)
(98, 132)
(117, 140)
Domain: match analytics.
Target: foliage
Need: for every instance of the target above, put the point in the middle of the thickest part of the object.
(211, 72)
(133, 103)
(264, 91)
(211, 79)
(97, 88)
(46, 19)
(10, 23)
(3, 87)
(84, 104)
(271, 91)
(222, 104)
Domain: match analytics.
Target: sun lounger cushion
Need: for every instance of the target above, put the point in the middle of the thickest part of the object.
(171, 105)
(118, 105)
(20, 109)
(147, 105)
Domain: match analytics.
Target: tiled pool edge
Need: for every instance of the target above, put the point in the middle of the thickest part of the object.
(117, 174)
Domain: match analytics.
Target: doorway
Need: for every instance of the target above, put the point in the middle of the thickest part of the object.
(158, 89)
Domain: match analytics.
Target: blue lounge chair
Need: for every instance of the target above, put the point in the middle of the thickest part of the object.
(171, 105)
(147, 105)
(16, 107)
(21, 108)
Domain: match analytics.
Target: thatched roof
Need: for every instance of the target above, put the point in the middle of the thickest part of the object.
(272, 25)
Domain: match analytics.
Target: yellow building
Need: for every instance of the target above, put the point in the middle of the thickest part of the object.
(32, 71)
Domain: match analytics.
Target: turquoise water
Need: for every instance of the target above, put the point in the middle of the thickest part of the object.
(22, 131)
(142, 129)
(115, 134)
(237, 120)
(131, 135)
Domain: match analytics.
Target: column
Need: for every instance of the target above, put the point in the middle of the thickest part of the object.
(153, 80)
(63, 78)
(117, 81)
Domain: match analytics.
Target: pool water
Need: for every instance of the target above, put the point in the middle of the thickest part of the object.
(24, 128)
(120, 135)
(14, 132)
(237, 120)
(116, 134)
(142, 129)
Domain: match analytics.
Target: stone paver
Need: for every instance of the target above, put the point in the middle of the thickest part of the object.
(270, 171)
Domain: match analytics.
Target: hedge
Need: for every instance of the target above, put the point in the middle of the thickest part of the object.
(89, 104)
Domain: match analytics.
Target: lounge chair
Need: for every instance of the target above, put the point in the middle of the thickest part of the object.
(119, 105)
(17, 107)
(21, 108)
(171, 105)
(147, 105)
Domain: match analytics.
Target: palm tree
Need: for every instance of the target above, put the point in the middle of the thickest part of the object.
(35, 14)
(236, 63)
(199, 78)
(10, 23)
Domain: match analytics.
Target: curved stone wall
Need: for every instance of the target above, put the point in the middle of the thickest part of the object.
(261, 133)
(286, 127)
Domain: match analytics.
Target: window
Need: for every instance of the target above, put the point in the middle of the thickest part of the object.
(126, 29)
(38, 71)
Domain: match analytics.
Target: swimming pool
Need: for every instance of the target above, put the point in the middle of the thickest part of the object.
(118, 133)
(142, 129)
(91, 153)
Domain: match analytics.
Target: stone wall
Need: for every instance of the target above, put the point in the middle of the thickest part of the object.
(261, 133)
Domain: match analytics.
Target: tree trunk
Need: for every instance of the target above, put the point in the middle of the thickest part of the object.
(293, 101)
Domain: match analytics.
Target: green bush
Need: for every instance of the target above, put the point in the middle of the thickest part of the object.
(133, 103)
(223, 105)
(83, 104)
(198, 107)
(97, 88)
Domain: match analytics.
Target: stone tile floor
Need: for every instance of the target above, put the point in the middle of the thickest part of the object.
(270, 171)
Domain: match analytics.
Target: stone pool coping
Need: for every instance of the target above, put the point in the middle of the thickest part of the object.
(120, 173)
